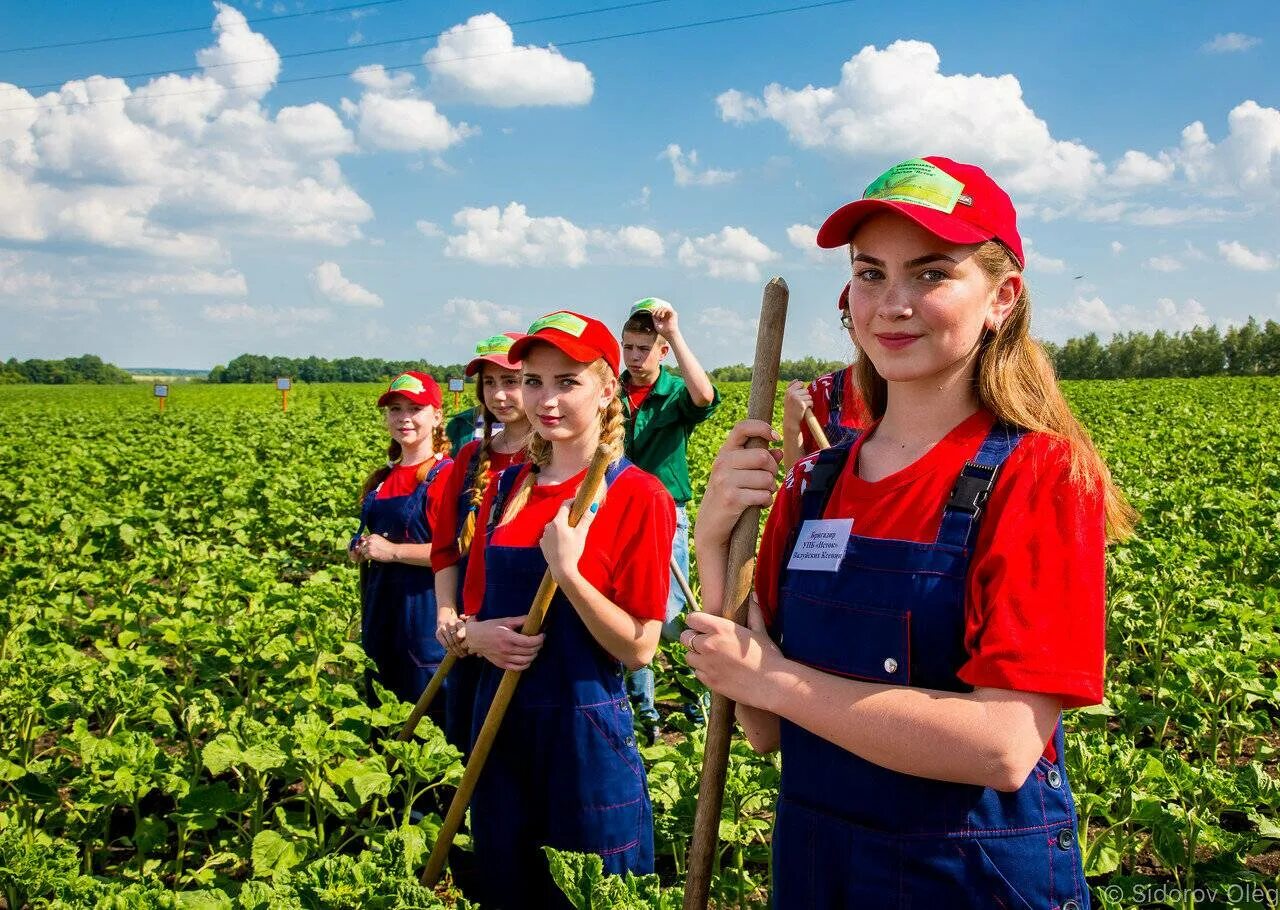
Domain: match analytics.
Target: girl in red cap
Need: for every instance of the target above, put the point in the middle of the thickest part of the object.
(835, 400)
(564, 771)
(505, 442)
(393, 545)
(930, 591)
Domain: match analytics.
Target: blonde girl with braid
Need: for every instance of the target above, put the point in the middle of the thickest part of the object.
(569, 726)
(505, 442)
(394, 542)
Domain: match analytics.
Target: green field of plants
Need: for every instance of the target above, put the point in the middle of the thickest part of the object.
(182, 723)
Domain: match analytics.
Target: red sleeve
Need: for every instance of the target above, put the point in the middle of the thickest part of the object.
(444, 520)
(637, 576)
(777, 528)
(1035, 618)
(473, 584)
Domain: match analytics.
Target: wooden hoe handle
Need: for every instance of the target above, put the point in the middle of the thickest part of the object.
(507, 687)
(815, 430)
(737, 588)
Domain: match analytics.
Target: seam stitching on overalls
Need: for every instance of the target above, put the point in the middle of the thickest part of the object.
(1048, 841)
(626, 759)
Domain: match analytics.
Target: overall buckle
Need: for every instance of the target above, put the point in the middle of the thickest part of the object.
(973, 488)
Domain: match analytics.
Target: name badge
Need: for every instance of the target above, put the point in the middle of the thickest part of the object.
(821, 545)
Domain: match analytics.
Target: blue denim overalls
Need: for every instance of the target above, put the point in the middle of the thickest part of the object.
(564, 770)
(460, 687)
(836, 431)
(850, 833)
(398, 618)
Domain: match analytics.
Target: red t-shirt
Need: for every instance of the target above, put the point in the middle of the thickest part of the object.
(1034, 605)
(628, 549)
(853, 410)
(636, 394)
(403, 480)
(444, 522)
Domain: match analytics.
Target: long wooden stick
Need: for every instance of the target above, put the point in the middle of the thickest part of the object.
(684, 585)
(815, 430)
(428, 695)
(738, 579)
(437, 679)
(507, 687)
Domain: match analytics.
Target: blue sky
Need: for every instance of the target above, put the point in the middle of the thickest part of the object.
(439, 190)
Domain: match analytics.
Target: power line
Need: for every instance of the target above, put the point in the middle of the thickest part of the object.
(194, 28)
(343, 48)
(403, 66)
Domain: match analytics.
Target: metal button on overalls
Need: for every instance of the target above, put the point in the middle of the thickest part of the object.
(1053, 778)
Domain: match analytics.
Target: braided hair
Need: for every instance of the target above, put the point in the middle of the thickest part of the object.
(481, 482)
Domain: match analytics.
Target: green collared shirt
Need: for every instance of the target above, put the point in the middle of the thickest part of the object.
(657, 438)
(461, 428)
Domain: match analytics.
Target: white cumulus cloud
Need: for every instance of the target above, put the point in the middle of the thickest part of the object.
(328, 281)
(391, 116)
(480, 62)
(476, 315)
(1240, 256)
(1163, 264)
(897, 101)
(1092, 314)
(1246, 161)
(685, 171)
(1230, 43)
(511, 236)
(734, 253)
(183, 163)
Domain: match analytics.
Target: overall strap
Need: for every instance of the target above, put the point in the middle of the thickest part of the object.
(964, 507)
(818, 484)
(837, 397)
(506, 483)
(611, 473)
(463, 504)
(413, 508)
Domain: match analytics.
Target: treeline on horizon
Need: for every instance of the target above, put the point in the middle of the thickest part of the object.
(88, 368)
(1251, 349)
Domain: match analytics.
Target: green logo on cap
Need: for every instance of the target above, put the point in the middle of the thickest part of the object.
(564, 321)
(406, 383)
(494, 344)
(918, 182)
(648, 305)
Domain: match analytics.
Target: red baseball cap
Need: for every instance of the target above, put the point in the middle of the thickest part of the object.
(417, 387)
(496, 349)
(584, 339)
(843, 302)
(954, 201)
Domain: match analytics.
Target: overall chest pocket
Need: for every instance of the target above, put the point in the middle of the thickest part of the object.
(849, 640)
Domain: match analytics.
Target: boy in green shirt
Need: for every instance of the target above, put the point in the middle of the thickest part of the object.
(662, 410)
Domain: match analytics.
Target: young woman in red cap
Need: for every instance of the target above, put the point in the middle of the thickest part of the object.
(505, 442)
(393, 544)
(934, 584)
(564, 770)
(834, 399)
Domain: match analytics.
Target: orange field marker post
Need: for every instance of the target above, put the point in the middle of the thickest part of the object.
(283, 385)
(456, 386)
(160, 391)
